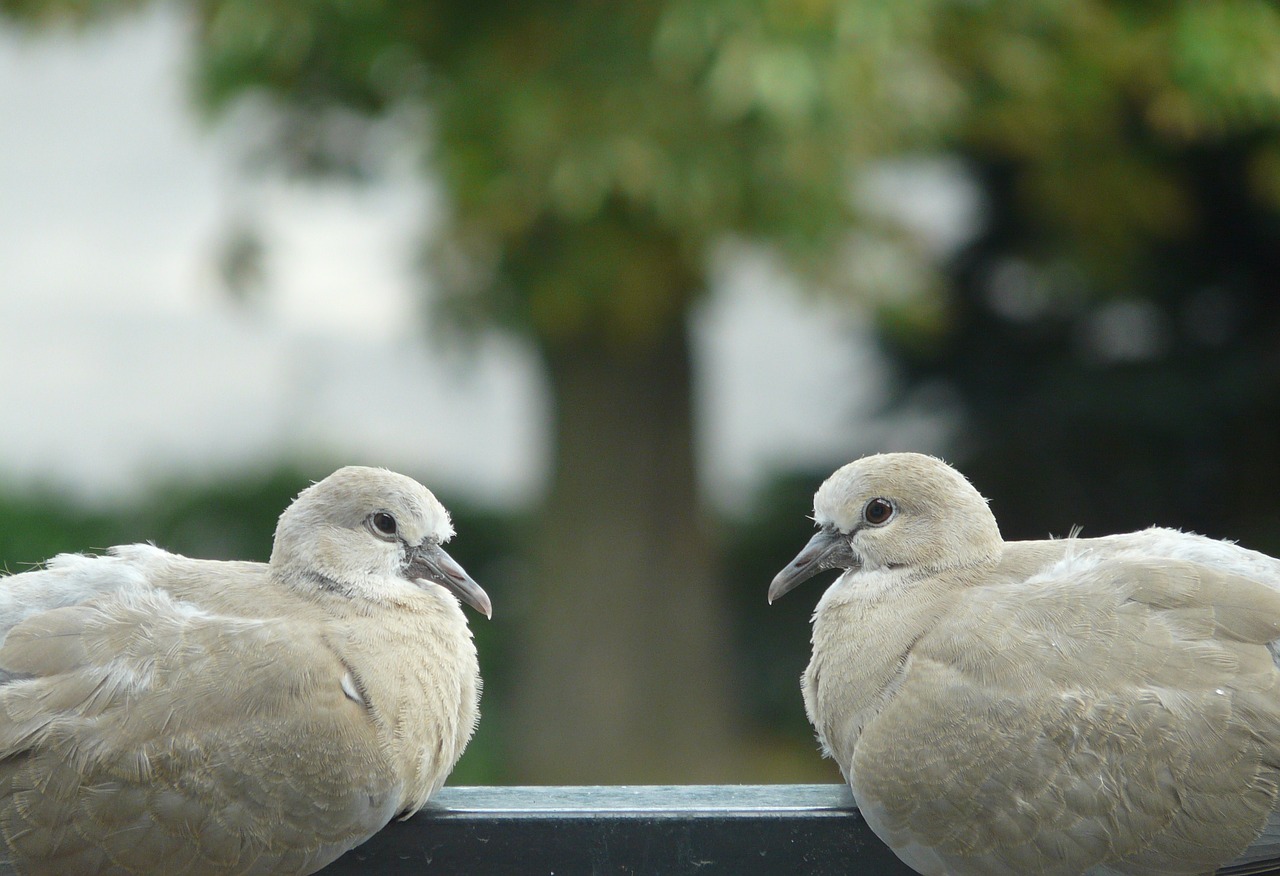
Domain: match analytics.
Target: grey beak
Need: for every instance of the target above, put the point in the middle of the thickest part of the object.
(828, 549)
(430, 562)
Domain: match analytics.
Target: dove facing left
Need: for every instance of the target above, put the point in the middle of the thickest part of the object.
(160, 714)
(1097, 706)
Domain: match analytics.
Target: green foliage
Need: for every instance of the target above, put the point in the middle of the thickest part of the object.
(1089, 102)
(65, 13)
(232, 519)
(591, 152)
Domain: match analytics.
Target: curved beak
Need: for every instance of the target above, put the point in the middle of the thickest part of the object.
(828, 549)
(430, 562)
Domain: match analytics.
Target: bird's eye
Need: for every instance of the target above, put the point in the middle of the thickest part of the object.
(383, 524)
(877, 511)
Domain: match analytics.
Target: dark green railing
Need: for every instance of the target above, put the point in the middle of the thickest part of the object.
(666, 830)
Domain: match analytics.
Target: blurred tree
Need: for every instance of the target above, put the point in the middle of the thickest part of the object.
(593, 153)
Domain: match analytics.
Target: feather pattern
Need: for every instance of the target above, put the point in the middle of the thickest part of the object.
(163, 714)
(1105, 706)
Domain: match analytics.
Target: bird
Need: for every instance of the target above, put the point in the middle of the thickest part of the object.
(1065, 706)
(160, 714)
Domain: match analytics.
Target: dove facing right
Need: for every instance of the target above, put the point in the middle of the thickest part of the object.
(165, 715)
(1102, 706)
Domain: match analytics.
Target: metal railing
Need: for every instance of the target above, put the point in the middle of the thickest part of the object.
(795, 830)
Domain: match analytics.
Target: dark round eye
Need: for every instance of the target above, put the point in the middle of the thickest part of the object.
(384, 524)
(877, 511)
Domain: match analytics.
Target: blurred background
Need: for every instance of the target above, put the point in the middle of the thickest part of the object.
(622, 283)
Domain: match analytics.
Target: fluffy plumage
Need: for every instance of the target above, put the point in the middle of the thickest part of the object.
(160, 714)
(1104, 705)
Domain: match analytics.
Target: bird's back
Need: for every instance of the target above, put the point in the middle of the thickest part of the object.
(159, 714)
(1085, 701)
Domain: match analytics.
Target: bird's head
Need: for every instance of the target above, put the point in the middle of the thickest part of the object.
(894, 511)
(366, 532)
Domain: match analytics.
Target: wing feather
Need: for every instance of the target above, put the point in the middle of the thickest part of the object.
(1085, 714)
(128, 722)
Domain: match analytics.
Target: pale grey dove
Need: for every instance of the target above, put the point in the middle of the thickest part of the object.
(166, 715)
(1102, 705)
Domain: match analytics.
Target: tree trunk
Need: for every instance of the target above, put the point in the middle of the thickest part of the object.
(626, 676)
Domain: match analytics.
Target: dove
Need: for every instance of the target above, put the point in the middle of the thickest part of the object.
(1080, 705)
(160, 714)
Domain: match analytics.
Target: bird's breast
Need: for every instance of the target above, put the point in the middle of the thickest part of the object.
(419, 673)
(861, 649)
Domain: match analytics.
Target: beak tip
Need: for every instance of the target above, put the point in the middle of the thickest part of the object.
(777, 588)
(473, 596)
